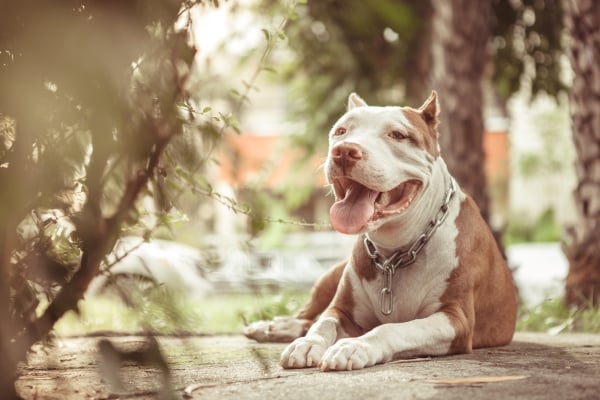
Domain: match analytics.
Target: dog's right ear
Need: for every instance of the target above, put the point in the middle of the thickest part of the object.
(354, 101)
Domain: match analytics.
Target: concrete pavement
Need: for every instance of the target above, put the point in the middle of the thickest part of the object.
(534, 366)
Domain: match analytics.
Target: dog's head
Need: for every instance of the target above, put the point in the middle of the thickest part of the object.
(379, 162)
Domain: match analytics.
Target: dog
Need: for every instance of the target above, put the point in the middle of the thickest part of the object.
(425, 277)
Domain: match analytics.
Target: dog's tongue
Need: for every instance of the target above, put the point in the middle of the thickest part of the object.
(352, 213)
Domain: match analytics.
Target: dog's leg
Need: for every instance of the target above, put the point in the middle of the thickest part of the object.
(308, 351)
(444, 332)
(286, 329)
(334, 323)
(322, 293)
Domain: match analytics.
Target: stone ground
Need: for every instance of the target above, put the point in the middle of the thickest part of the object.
(534, 366)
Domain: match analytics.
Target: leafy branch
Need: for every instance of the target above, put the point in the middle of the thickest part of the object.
(272, 37)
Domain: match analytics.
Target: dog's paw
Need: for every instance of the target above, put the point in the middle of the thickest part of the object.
(280, 329)
(303, 352)
(348, 354)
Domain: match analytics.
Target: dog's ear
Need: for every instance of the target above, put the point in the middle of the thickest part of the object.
(354, 101)
(430, 110)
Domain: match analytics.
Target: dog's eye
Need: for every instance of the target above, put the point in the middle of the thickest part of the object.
(397, 135)
(339, 131)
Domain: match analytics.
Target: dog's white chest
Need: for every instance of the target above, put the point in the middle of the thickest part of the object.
(415, 290)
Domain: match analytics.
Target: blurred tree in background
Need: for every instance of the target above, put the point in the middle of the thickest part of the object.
(94, 115)
(582, 20)
(460, 56)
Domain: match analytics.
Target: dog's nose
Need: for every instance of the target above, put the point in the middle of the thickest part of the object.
(346, 154)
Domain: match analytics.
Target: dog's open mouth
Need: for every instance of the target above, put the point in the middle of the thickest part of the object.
(356, 204)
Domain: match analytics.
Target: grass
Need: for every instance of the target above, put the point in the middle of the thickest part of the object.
(554, 317)
(164, 312)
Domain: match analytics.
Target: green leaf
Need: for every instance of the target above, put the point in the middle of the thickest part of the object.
(269, 69)
(266, 33)
(204, 184)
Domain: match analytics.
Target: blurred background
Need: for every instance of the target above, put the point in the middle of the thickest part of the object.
(160, 161)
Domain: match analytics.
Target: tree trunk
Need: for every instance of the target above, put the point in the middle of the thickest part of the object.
(460, 37)
(582, 20)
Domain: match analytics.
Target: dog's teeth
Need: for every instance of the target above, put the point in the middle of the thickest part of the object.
(382, 198)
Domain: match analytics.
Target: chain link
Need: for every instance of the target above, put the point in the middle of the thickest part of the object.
(402, 259)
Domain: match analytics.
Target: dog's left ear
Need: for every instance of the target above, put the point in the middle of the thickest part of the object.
(430, 110)
(354, 101)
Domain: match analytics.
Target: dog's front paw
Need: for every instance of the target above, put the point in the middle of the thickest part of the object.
(348, 354)
(303, 352)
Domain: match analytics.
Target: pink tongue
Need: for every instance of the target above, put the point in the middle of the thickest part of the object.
(352, 213)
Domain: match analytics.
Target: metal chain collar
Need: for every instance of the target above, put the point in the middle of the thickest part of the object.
(402, 259)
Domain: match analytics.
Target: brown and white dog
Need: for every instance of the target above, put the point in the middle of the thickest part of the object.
(425, 276)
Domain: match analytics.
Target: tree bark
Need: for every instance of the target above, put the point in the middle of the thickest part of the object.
(460, 37)
(582, 20)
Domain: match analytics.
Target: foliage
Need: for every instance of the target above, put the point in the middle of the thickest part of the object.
(554, 317)
(527, 40)
(101, 119)
(178, 314)
(94, 118)
(522, 230)
(286, 303)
